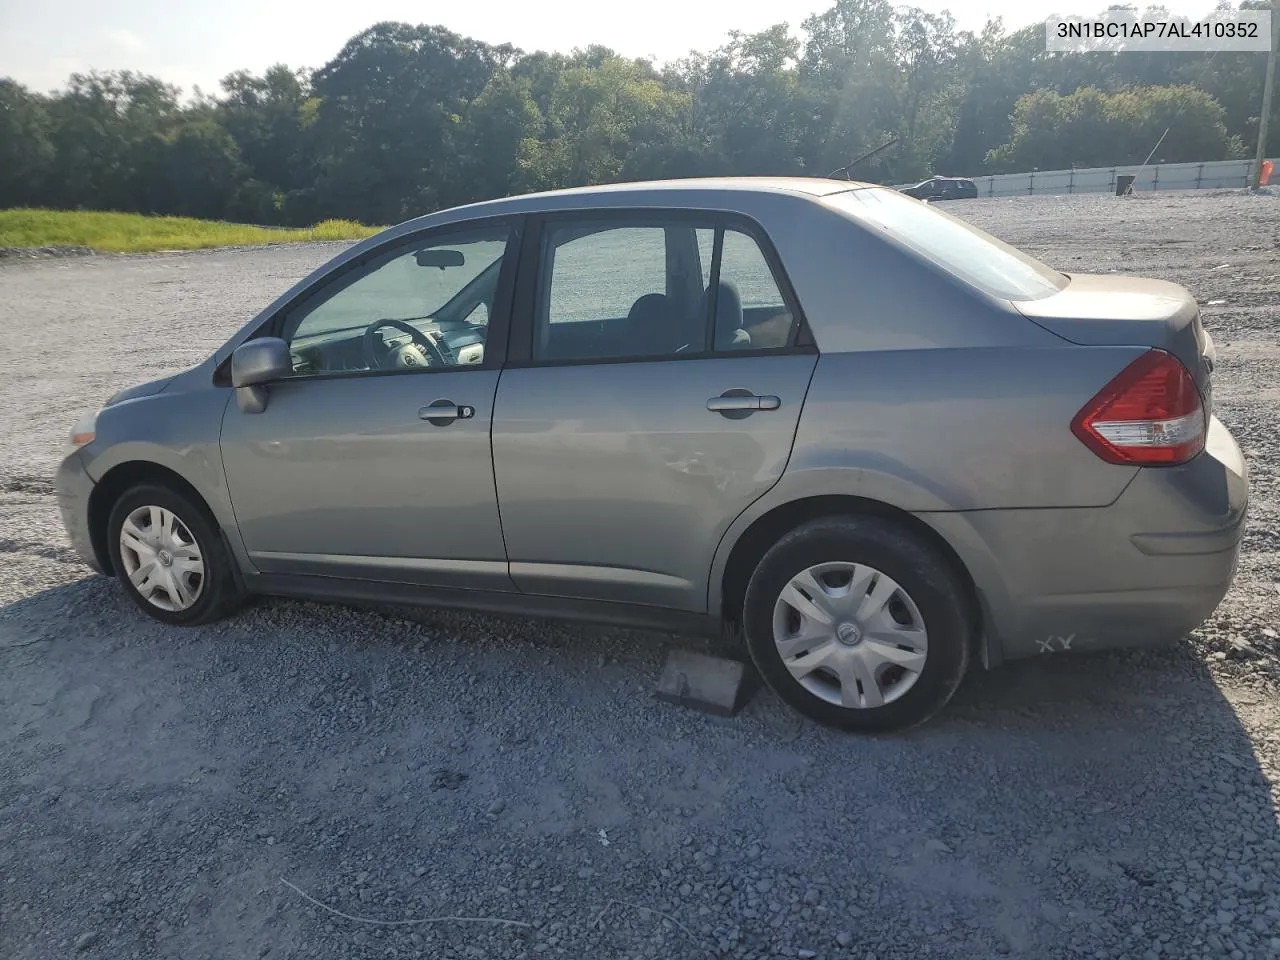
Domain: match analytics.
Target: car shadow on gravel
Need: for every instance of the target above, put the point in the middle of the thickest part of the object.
(162, 784)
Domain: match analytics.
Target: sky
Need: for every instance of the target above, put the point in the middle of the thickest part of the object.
(197, 42)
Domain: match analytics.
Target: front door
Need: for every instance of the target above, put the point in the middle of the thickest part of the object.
(373, 460)
(653, 394)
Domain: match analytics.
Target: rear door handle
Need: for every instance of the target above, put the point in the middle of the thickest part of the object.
(441, 413)
(734, 402)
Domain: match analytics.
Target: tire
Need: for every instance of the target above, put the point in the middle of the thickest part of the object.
(863, 670)
(175, 593)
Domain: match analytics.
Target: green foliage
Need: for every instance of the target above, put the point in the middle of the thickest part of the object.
(268, 117)
(746, 107)
(609, 119)
(1093, 128)
(407, 119)
(193, 170)
(389, 116)
(134, 233)
(25, 148)
(503, 121)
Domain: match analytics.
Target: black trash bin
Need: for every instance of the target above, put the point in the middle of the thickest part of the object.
(1124, 184)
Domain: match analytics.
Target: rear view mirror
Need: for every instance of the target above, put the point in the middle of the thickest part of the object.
(440, 258)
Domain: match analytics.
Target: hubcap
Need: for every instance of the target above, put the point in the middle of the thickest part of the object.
(161, 558)
(850, 634)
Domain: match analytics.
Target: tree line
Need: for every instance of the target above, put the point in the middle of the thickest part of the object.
(408, 119)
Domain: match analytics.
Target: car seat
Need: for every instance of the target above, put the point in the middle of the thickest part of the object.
(729, 334)
(649, 328)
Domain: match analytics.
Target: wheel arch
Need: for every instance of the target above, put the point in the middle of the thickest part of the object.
(122, 477)
(768, 528)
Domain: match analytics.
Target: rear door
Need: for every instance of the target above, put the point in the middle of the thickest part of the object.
(658, 368)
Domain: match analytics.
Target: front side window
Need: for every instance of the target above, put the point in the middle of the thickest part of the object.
(964, 251)
(615, 290)
(426, 305)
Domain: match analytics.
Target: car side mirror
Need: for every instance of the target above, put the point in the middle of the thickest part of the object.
(255, 364)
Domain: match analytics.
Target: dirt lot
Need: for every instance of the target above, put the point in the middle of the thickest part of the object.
(161, 790)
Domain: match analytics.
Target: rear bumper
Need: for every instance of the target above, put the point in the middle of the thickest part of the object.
(72, 487)
(1147, 569)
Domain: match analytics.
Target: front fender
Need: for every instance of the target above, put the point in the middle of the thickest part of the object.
(177, 429)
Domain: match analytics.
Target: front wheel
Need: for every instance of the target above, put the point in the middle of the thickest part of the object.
(169, 557)
(858, 623)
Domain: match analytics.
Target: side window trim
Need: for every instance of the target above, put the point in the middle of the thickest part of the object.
(524, 306)
(528, 288)
(713, 290)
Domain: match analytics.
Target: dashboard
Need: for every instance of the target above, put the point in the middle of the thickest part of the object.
(343, 351)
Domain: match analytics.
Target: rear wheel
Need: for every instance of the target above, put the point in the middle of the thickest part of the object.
(170, 558)
(858, 623)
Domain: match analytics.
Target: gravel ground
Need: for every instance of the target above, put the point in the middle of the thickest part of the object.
(165, 791)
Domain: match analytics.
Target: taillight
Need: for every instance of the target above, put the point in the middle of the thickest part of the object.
(1149, 415)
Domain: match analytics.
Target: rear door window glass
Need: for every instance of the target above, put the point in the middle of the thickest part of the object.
(654, 287)
(602, 274)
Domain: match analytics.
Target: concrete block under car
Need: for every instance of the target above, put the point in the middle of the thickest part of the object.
(713, 685)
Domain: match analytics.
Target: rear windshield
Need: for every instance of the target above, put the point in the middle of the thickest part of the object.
(963, 250)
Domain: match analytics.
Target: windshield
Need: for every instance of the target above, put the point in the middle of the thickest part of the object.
(963, 250)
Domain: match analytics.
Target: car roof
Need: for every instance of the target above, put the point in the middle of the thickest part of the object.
(814, 186)
(644, 193)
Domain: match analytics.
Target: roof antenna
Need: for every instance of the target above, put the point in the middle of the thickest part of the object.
(835, 174)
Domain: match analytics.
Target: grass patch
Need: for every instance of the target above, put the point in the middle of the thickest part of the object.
(135, 233)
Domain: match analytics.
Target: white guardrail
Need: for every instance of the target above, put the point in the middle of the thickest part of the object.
(1210, 175)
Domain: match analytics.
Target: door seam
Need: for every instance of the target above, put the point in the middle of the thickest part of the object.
(226, 485)
(813, 371)
(493, 468)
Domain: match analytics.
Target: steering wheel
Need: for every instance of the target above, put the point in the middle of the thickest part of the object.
(434, 351)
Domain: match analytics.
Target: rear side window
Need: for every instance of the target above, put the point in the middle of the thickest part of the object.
(587, 282)
(761, 319)
(964, 251)
(664, 285)
(744, 265)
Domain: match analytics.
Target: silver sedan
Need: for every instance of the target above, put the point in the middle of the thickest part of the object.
(872, 441)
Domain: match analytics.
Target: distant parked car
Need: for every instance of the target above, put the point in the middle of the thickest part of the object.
(943, 188)
(876, 441)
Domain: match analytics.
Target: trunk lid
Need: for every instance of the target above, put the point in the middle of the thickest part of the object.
(1109, 310)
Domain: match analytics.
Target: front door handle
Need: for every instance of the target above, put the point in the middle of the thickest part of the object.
(742, 403)
(441, 413)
